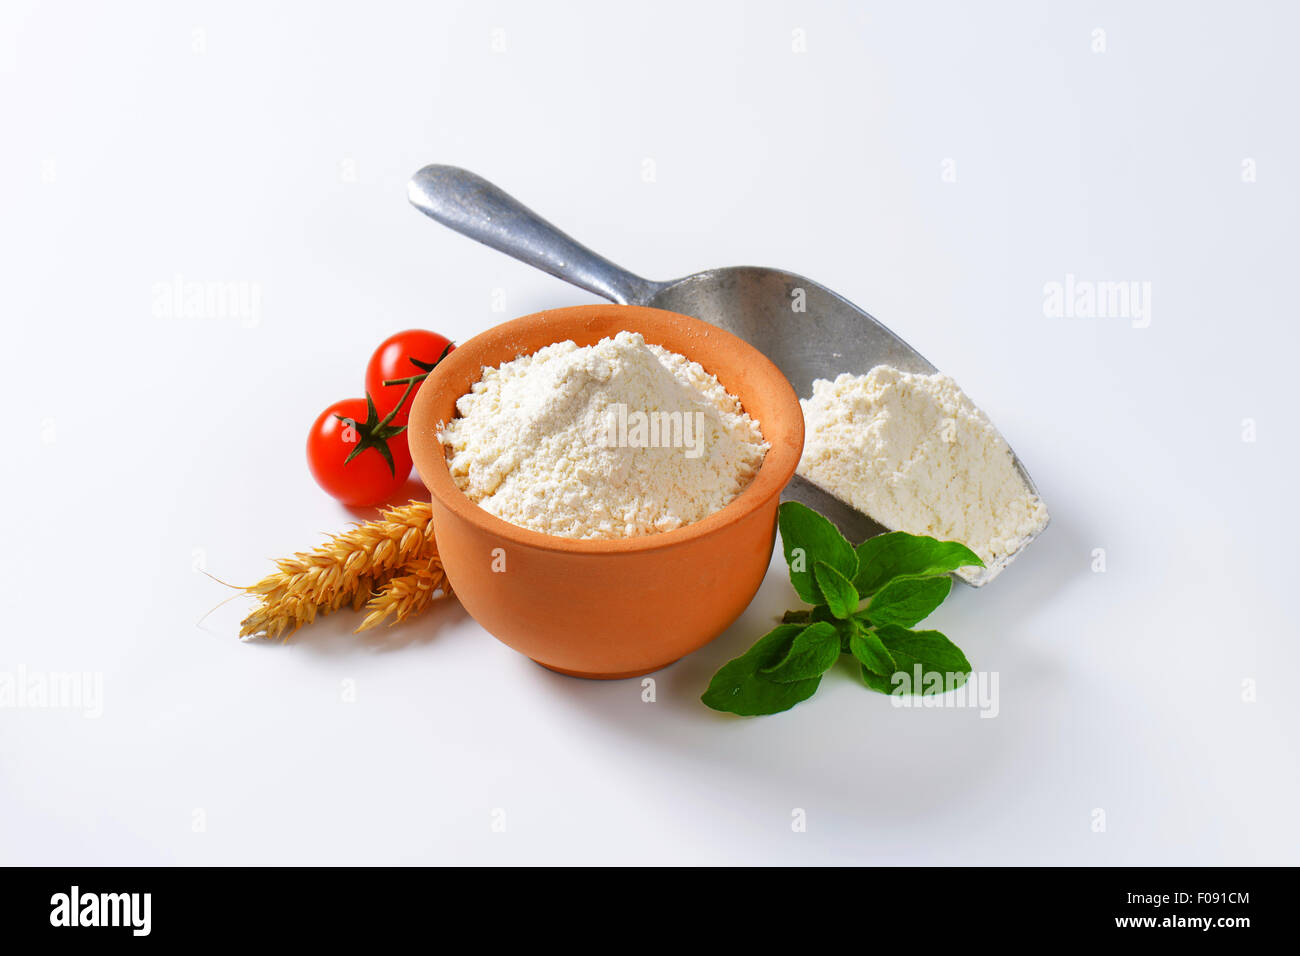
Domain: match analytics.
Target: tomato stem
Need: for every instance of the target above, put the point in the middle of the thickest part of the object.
(402, 401)
(411, 381)
(374, 433)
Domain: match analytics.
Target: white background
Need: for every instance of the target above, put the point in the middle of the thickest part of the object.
(271, 143)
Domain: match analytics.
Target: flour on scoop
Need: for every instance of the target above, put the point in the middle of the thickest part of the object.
(917, 455)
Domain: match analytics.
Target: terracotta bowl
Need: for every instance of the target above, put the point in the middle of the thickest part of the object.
(609, 608)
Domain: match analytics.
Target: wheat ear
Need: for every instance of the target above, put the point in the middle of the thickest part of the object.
(346, 569)
(407, 593)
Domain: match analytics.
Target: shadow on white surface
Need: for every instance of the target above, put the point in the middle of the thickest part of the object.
(911, 765)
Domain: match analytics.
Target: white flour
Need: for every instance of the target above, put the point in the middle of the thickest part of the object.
(611, 440)
(913, 452)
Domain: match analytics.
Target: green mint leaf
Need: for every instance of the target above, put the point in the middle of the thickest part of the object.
(871, 652)
(906, 601)
(738, 688)
(927, 661)
(806, 538)
(841, 596)
(900, 555)
(877, 682)
(811, 654)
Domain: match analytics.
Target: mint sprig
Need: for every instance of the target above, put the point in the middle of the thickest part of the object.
(807, 537)
(901, 578)
(926, 661)
(906, 601)
(888, 557)
(812, 652)
(738, 688)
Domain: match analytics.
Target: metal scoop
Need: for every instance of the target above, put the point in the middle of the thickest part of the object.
(805, 328)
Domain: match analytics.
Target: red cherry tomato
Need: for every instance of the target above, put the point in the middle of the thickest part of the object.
(367, 479)
(397, 357)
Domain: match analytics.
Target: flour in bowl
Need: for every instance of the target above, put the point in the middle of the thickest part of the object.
(612, 440)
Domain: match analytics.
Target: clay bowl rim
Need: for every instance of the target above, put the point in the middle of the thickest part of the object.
(774, 473)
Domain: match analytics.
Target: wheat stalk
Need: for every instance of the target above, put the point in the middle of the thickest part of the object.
(407, 592)
(346, 569)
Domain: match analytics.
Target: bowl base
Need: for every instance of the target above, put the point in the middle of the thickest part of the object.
(624, 676)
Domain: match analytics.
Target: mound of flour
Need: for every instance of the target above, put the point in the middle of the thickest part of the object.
(611, 440)
(915, 453)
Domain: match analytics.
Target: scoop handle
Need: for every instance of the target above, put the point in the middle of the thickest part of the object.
(475, 208)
